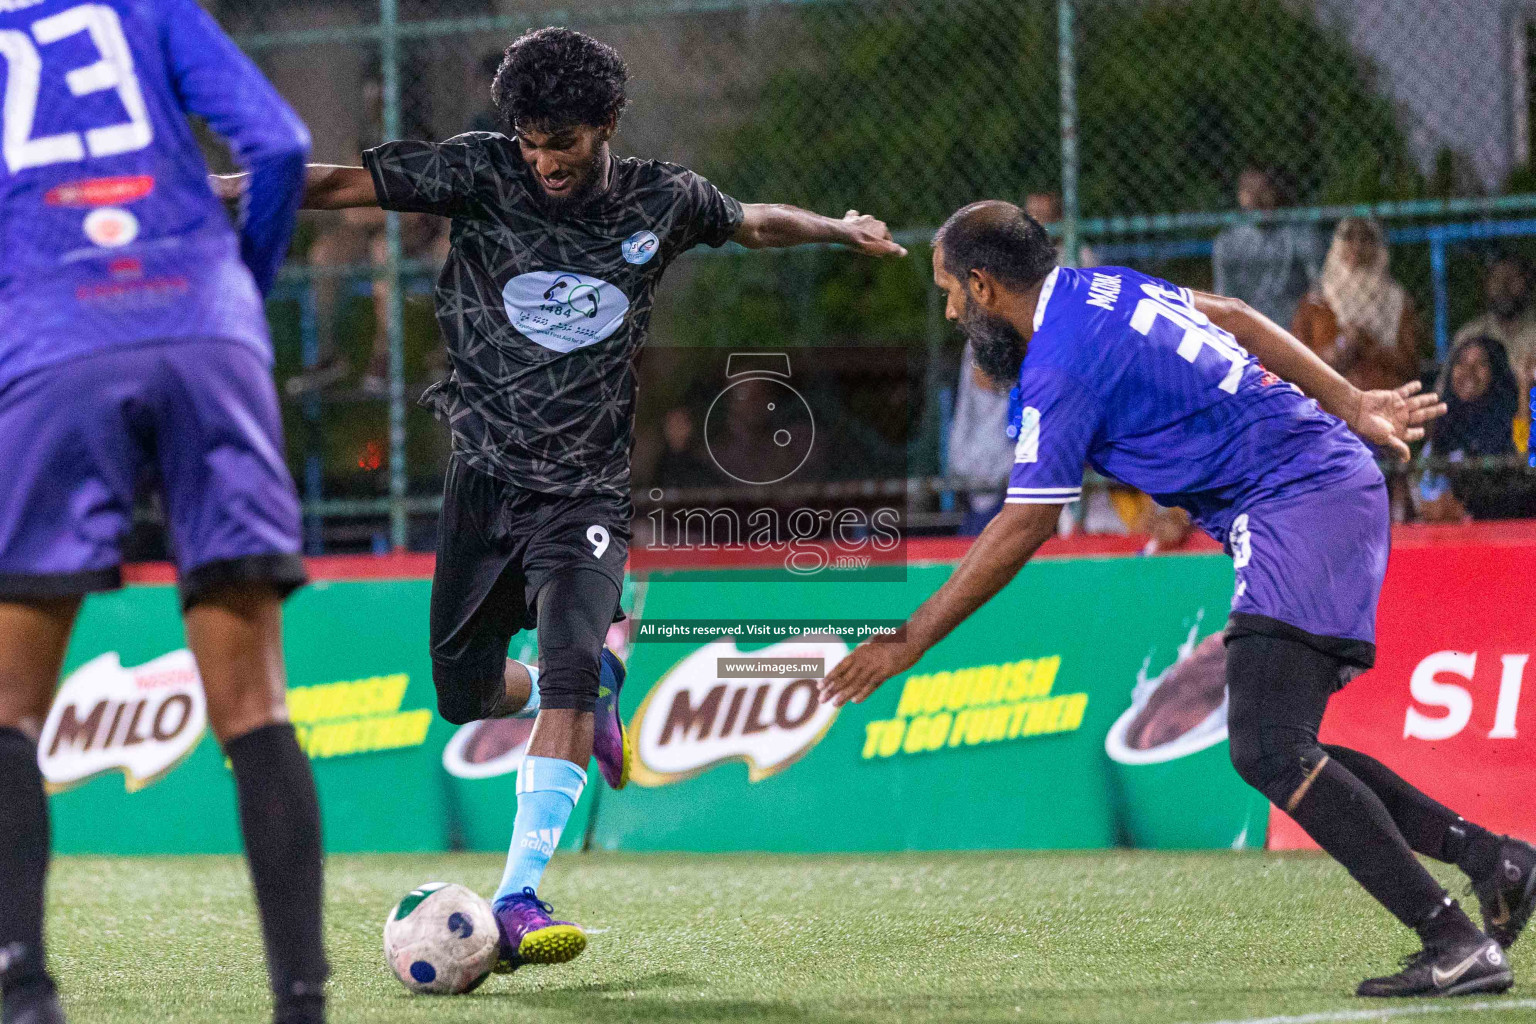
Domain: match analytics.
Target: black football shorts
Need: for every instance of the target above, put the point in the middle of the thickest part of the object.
(498, 544)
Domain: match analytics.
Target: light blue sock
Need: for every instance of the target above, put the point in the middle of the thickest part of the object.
(531, 709)
(547, 791)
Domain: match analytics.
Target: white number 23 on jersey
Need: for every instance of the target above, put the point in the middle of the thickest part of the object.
(114, 71)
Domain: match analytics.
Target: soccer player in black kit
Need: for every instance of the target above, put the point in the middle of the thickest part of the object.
(545, 300)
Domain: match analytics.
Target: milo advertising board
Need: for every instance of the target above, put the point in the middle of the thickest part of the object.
(1081, 708)
(133, 768)
(1077, 709)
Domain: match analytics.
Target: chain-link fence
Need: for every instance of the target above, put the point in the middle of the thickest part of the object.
(1219, 143)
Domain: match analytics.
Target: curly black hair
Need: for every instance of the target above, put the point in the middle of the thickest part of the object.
(554, 78)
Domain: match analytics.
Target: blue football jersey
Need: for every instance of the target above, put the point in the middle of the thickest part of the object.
(1124, 374)
(110, 232)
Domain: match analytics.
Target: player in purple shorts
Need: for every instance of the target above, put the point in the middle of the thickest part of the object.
(1154, 385)
(133, 344)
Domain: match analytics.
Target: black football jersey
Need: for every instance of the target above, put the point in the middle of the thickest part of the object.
(544, 311)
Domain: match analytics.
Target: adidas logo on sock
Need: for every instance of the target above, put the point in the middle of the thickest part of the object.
(541, 840)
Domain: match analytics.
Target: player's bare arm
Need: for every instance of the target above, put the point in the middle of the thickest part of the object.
(777, 226)
(1388, 419)
(326, 187)
(1009, 541)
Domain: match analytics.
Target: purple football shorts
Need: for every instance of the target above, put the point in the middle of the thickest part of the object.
(1311, 568)
(199, 419)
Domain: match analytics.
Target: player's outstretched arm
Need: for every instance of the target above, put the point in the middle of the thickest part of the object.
(326, 187)
(1387, 419)
(1010, 540)
(778, 226)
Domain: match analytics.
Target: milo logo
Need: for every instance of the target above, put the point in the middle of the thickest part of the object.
(693, 719)
(141, 721)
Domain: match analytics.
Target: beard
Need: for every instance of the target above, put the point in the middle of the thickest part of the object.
(996, 344)
(580, 196)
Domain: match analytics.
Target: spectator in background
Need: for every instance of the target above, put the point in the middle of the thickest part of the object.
(1359, 320)
(1510, 318)
(487, 119)
(1479, 389)
(358, 235)
(1045, 207)
(979, 445)
(1170, 530)
(680, 465)
(1268, 266)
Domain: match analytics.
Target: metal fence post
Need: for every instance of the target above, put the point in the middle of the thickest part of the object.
(1066, 50)
(389, 62)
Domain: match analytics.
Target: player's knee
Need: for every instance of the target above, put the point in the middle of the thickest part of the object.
(1276, 768)
(465, 696)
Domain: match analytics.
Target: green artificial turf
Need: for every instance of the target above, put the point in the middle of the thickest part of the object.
(1049, 937)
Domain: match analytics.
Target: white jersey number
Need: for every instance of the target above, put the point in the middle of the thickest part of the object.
(598, 538)
(23, 80)
(1199, 333)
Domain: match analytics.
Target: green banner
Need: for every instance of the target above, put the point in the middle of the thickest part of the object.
(998, 738)
(1083, 707)
(128, 780)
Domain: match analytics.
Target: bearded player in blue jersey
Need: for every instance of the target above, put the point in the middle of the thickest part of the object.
(133, 343)
(1155, 386)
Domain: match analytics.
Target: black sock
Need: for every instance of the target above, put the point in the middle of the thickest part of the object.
(23, 864)
(1351, 823)
(1479, 855)
(280, 819)
(1447, 925)
(1430, 827)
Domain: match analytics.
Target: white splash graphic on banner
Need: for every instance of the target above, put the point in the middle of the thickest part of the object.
(141, 721)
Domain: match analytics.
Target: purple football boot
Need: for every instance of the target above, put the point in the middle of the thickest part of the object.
(529, 936)
(610, 743)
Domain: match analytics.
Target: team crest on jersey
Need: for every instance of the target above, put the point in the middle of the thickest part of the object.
(640, 247)
(564, 310)
(111, 227)
(1028, 448)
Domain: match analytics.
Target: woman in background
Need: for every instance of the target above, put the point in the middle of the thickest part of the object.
(1479, 389)
(1358, 319)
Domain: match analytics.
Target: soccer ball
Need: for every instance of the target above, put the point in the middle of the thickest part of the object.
(441, 939)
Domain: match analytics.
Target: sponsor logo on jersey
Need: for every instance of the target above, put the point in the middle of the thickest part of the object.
(1028, 447)
(976, 705)
(693, 720)
(484, 750)
(358, 716)
(564, 311)
(141, 721)
(111, 227)
(640, 247)
(100, 191)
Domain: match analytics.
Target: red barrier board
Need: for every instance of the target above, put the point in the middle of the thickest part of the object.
(1448, 705)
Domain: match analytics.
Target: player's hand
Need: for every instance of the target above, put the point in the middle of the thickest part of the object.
(228, 187)
(870, 236)
(1393, 419)
(861, 673)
